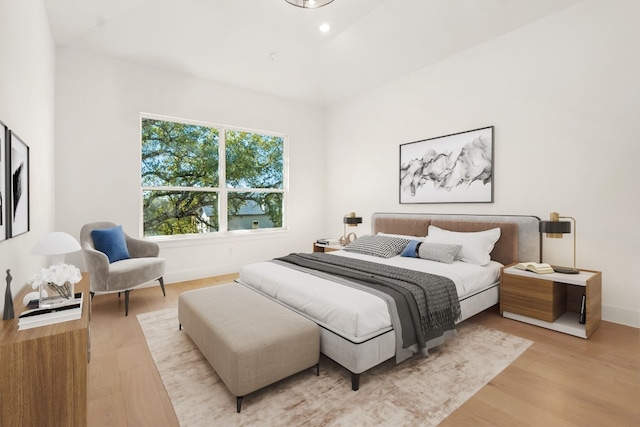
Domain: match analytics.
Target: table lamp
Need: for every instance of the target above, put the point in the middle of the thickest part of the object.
(350, 220)
(56, 244)
(554, 228)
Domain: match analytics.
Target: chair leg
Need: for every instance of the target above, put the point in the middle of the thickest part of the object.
(126, 303)
(161, 280)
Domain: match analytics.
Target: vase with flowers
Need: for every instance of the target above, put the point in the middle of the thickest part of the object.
(60, 280)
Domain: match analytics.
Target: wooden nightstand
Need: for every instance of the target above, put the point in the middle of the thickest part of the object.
(553, 300)
(317, 247)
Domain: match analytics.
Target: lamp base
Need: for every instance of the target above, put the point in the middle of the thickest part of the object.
(565, 270)
(348, 238)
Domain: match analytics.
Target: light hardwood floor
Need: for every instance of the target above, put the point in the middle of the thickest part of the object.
(559, 381)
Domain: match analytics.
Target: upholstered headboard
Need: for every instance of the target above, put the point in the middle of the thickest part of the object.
(519, 240)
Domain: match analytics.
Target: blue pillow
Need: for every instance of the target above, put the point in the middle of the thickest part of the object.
(411, 250)
(111, 241)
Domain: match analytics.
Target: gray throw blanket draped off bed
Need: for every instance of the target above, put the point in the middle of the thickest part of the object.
(427, 304)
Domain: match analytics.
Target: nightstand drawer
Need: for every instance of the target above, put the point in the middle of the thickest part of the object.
(538, 298)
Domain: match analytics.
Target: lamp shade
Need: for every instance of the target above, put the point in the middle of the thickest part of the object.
(555, 227)
(56, 243)
(352, 220)
(309, 4)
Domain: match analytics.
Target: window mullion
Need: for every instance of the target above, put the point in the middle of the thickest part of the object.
(222, 173)
(166, 188)
(255, 190)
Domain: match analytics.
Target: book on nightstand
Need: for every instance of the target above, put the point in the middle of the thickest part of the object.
(536, 267)
(32, 318)
(327, 242)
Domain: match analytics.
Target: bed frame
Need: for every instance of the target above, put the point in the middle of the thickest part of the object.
(519, 240)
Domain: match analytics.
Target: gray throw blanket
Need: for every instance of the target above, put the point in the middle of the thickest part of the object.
(432, 300)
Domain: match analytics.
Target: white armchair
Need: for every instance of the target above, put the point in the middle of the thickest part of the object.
(142, 266)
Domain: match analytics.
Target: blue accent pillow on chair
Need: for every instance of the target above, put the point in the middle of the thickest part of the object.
(111, 241)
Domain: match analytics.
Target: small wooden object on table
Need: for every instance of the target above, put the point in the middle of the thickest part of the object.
(553, 301)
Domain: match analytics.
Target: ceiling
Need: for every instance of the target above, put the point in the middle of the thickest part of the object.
(275, 48)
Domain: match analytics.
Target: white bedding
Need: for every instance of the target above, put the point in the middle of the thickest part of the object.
(350, 312)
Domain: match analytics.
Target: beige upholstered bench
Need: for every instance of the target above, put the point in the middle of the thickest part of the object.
(249, 340)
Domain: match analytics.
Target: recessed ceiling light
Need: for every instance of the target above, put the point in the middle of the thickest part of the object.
(325, 27)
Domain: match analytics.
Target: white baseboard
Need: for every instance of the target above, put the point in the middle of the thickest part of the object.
(185, 276)
(621, 315)
(201, 273)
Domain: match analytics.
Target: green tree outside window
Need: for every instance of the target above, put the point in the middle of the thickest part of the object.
(184, 190)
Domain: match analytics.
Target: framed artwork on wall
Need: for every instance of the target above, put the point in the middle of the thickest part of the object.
(456, 168)
(18, 185)
(3, 182)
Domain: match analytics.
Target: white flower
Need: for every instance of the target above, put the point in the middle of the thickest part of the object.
(58, 274)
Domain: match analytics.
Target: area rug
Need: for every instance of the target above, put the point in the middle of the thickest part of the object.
(421, 391)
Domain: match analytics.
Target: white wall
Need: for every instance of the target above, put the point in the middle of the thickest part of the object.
(564, 96)
(98, 104)
(27, 65)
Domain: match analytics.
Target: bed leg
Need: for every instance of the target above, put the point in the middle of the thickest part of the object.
(355, 381)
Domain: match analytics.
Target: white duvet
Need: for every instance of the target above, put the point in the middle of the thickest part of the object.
(355, 314)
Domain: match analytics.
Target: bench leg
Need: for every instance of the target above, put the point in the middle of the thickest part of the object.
(317, 366)
(355, 381)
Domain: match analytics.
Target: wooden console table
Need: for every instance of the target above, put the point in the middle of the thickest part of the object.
(43, 370)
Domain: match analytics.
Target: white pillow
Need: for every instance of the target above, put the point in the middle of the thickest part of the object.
(476, 245)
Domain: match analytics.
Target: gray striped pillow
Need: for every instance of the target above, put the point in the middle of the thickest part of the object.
(440, 252)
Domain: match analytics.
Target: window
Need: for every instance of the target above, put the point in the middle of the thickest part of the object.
(199, 178)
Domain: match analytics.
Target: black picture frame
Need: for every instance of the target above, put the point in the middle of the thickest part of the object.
(18, 180)
(4, 186)
(456, 168)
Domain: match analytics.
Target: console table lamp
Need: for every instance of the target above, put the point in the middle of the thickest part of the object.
(56, 244)
(350, 220)
(554, 228)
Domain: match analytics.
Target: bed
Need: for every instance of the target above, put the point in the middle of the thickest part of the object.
(361, 328)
